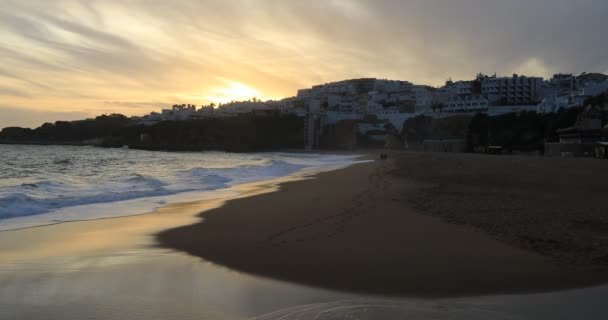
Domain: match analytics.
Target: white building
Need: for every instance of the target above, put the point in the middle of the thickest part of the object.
(384, 85)
(321, 91)
(589, 90)
(516, 90)
(423, 97)
(553, 104)
(178, 112)
(463, 87)
(595, 89)
(342, 103)
(354, 87)
(341, 87)
(458, 88)
(235, 108)
(404, 96)
(148, 119)
(383, 98)
(561, 84)
(305, 93)
(373, 107)
(377, 96)
(466, 104)
(204, 112)
(287, 105)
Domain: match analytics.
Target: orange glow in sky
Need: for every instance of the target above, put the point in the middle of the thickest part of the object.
(234, 91)
(71, 59)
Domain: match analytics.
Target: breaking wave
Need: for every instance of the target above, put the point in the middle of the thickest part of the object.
(37, 187)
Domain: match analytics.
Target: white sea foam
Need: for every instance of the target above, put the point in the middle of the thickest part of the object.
(42, 185)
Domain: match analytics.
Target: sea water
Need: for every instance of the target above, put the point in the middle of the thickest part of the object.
(42, 185)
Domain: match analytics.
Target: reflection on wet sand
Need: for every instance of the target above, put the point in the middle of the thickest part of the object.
(111, 269)
(159, 284)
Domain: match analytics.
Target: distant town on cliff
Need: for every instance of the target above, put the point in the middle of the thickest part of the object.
(563, 115)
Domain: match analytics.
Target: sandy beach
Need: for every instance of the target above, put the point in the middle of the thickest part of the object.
(357, 230)
(423, 225)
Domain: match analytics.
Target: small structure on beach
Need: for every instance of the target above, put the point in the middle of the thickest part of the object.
(601, 150)
(580, 139)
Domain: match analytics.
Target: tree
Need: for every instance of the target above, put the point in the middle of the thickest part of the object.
(437, 106)
(418, 127)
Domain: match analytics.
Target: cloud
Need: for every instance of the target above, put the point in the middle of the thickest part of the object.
(7, 91)
(30, 118)
(78, 55)
(138, 104)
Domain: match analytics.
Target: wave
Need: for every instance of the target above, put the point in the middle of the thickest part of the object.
(139, 179)
(18, 204)
(44, 196)
(50, 195)
(65, 161)
(244, 174)
(42, 184)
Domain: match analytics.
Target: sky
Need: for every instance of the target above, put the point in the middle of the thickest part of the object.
(70, 59)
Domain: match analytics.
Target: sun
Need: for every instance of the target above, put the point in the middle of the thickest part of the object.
(235, 91)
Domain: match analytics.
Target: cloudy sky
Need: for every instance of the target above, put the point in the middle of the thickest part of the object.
(69, 59)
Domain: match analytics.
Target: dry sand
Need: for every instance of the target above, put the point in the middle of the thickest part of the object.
(554, 206)
(364, 229)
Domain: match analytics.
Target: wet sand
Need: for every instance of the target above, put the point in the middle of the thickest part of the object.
(107, 235)
(364, 229)
(112, 268)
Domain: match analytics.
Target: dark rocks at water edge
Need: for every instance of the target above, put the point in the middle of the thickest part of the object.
(239, 134)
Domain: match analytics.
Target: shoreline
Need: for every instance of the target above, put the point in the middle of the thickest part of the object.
(356, 230)
(353, 230)
(21, 206)
(131, 230)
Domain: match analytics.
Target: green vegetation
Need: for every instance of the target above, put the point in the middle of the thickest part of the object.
(342, 135)
(68, 131)
(420, 128)
(239, 134)
(528, 131)
(525, 131)
(243, 133)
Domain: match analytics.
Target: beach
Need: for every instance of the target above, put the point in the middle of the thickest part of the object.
(416, 225)
(352, 242)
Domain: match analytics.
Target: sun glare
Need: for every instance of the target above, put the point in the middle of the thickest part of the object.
(235, 91)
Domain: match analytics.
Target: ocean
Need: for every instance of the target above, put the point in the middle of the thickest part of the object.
(41, 185)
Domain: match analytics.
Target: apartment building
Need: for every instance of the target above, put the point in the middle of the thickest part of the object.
(516, 90)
